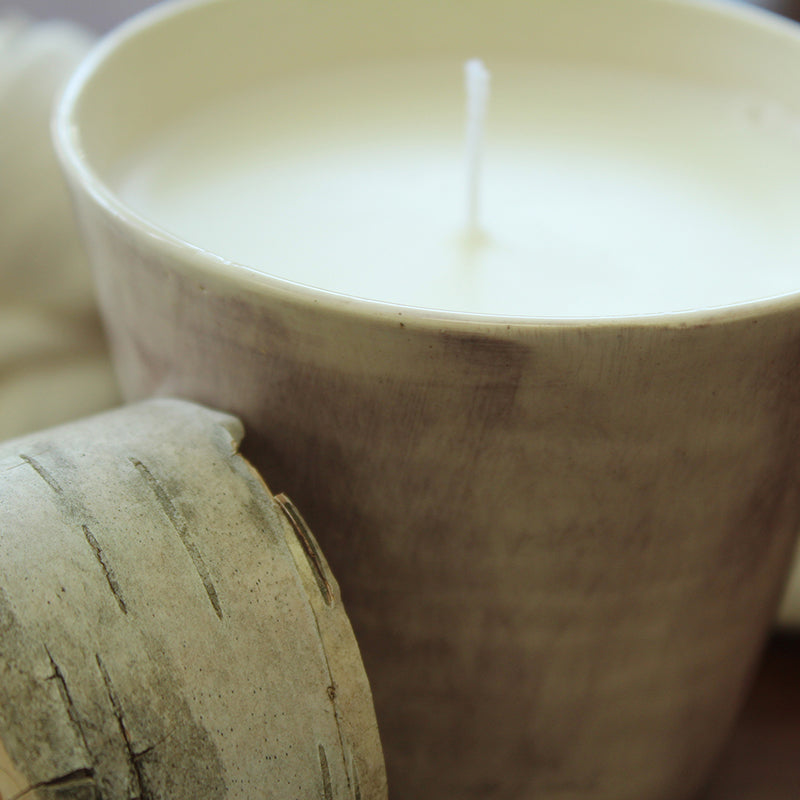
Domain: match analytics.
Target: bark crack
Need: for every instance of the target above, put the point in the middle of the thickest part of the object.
(312, 556)
(182, 529)
(76, 776)
(304, 536)
(133, 757)
(66, 696)
(356, 782)
(110, 576)
(327, 789)
(76, 508)
(42, 473)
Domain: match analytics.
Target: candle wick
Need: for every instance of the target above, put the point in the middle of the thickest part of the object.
(477, 80)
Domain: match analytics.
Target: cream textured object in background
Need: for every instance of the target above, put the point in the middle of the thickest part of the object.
(53, 360)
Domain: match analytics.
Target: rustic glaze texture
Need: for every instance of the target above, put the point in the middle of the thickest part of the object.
(561, 545)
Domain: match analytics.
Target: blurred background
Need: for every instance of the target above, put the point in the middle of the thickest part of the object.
(101, 15)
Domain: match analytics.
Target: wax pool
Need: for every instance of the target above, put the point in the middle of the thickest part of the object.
(603, 192)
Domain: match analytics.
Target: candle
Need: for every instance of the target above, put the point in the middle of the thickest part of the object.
(559, 541)
(604, 191)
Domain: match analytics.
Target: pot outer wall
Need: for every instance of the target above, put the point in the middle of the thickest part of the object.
(561, 546)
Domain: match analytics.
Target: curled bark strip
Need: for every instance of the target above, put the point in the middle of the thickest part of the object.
(124, 537)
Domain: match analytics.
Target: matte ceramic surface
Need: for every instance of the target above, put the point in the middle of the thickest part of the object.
(561, 543)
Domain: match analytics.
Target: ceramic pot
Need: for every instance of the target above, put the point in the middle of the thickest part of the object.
(561, 542)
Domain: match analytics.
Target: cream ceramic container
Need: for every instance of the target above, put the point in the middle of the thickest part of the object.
(561, 541)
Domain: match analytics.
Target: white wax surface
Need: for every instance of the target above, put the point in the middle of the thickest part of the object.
(604, 193)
